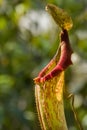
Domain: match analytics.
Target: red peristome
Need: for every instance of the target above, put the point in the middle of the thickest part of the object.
(66, 51)
(53, 73)
(37, 79)
(64, 61)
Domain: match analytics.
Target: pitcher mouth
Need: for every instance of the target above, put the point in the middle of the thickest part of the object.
(61, 64)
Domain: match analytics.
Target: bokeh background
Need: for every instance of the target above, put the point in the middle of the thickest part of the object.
(28, 40)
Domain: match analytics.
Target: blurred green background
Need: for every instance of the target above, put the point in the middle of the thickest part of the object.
(28, 40)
